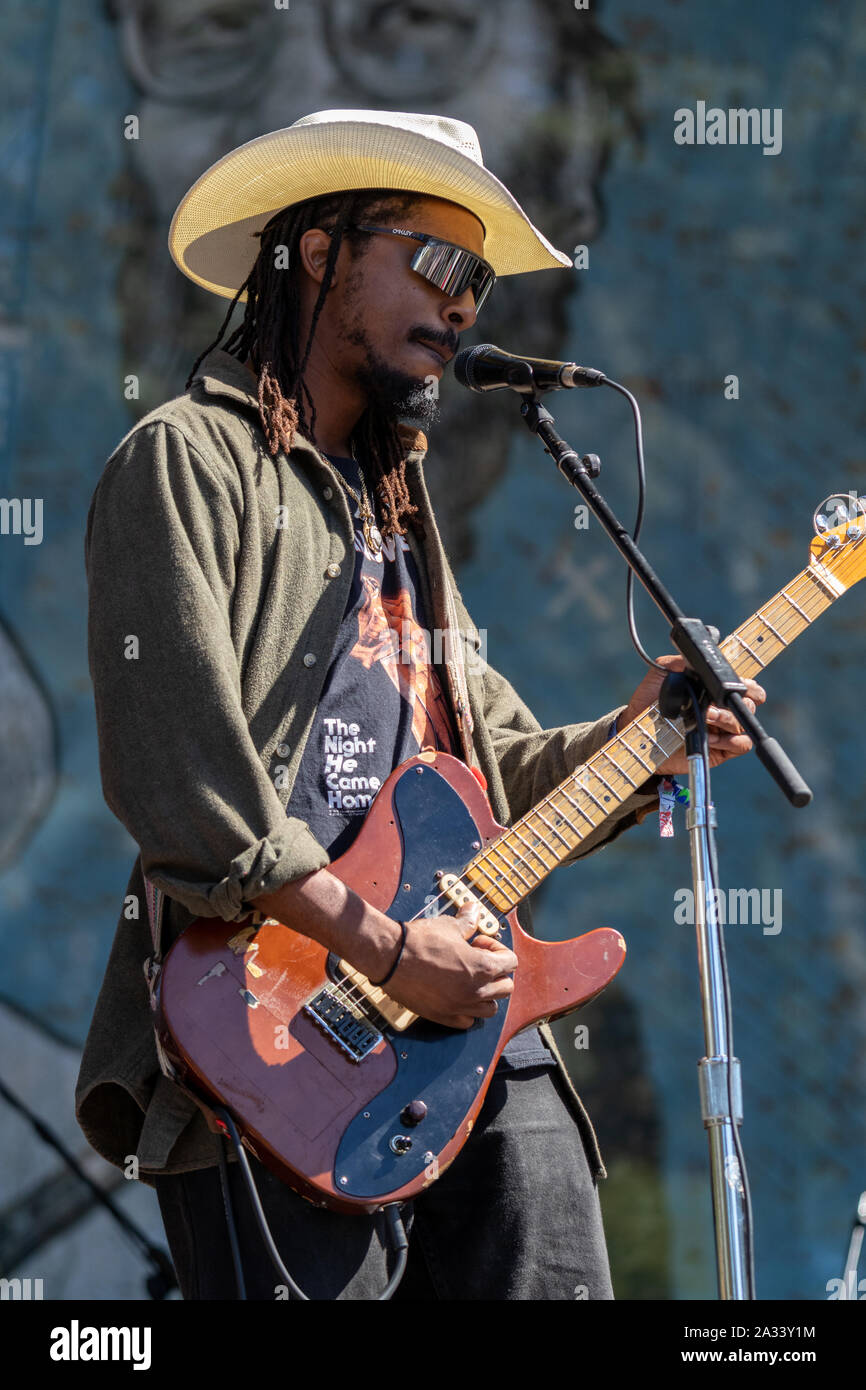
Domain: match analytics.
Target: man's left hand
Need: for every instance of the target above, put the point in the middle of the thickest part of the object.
(726, 737)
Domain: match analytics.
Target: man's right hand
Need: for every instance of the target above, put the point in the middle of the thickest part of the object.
(446, 978)
(441, 975)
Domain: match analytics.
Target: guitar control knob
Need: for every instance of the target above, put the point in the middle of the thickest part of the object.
(400, 1144)
(413, 1113)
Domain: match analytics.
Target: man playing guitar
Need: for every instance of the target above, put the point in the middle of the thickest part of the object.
(263, 567)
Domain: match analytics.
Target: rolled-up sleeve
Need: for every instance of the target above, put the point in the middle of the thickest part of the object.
(178, 765)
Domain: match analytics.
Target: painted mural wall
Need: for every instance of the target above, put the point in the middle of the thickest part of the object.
(723, 283)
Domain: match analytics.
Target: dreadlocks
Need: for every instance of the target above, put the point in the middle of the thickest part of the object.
(269, 336)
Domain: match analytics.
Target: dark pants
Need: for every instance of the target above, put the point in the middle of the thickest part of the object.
(515, 1216)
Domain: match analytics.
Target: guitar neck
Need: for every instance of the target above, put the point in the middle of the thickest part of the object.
(507, 870)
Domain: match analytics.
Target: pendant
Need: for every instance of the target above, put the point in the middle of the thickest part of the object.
(373, 537)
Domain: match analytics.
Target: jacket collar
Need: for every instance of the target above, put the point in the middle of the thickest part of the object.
(221, 374)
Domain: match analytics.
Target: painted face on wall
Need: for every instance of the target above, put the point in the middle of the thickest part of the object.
(214, 73)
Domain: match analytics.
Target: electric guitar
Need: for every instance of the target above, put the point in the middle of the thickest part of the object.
(344, 1093)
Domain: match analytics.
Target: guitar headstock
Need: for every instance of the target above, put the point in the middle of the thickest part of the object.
(840, 543)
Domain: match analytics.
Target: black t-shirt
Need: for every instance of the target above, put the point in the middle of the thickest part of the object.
(382, 702)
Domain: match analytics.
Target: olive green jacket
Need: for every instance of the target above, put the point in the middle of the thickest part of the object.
(218, 578)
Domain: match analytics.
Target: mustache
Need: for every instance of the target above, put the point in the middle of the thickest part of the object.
(440, 337)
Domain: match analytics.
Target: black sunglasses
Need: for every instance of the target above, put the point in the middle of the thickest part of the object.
(449, 267)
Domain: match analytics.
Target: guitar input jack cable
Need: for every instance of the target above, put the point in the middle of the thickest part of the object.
(397, 1237)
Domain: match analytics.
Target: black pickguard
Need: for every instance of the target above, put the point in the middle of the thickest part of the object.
(444, 1067)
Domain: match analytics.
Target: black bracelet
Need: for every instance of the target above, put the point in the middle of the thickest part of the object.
(385, 978)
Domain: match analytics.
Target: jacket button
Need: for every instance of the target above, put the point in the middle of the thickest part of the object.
(310, 659)
(327, 493)
(333, 571)
(283, 750)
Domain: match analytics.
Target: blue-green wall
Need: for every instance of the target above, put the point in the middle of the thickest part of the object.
(710, 261)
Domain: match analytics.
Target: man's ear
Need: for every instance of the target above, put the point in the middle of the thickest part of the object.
(313, 248)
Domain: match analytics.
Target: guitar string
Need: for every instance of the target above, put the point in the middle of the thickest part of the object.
(809, 590)
(812, 591)
(779, 630)
(784, 627)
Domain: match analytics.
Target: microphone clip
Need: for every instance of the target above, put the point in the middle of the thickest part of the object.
(521, 378)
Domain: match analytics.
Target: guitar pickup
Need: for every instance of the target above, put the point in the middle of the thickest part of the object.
(394, 1014)
(455, 891)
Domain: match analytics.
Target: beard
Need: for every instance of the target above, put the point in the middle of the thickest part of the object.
(402, 398)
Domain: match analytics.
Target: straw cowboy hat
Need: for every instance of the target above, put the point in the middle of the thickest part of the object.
(211, 235)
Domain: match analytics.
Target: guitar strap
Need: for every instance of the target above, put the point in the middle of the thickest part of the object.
(153, 965)
(155, 900)
(455, 665)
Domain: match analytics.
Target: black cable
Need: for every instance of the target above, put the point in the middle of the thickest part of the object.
(394, 1225)
(162, 1278)
(641, 504)
(230, 1220)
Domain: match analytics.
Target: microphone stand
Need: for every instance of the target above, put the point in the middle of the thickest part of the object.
(850, 1286)
(709, 678)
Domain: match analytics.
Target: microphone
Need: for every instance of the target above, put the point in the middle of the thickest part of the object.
(488, 368)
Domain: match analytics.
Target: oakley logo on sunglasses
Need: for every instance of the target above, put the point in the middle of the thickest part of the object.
(449, 267)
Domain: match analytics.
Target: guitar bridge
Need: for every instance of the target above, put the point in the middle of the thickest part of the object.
(345, 1025)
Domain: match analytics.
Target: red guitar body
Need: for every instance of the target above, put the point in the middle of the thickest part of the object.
(251, 1015)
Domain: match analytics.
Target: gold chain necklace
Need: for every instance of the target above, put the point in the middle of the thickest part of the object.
(366, 513)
